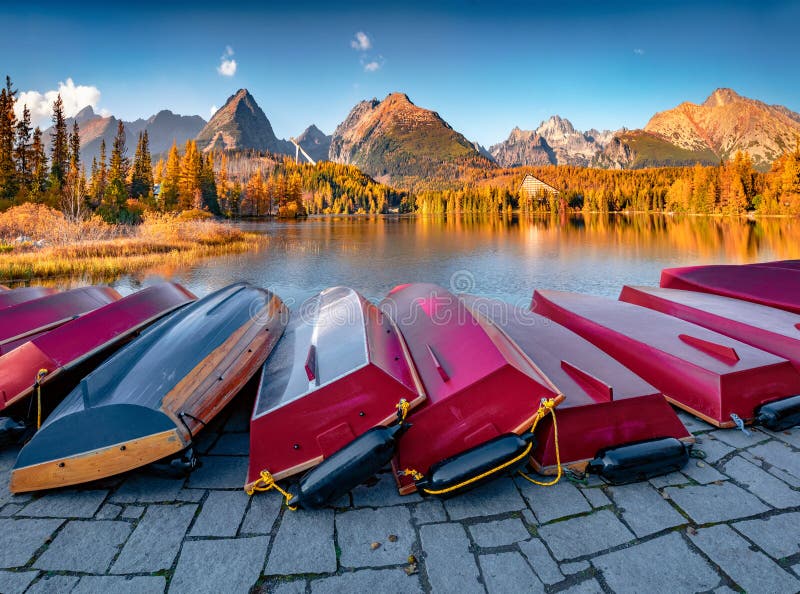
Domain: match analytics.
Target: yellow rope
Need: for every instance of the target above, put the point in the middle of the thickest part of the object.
(549, 408)
(39, 377)
(266, 483)
(402, 409)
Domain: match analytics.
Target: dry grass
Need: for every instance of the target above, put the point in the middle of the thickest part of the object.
(99, 250)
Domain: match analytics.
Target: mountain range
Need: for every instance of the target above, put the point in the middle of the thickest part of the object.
(396, 141)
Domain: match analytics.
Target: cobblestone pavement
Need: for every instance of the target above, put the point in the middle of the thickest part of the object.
(728, 523)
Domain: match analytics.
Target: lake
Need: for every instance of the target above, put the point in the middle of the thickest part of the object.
(500, 257)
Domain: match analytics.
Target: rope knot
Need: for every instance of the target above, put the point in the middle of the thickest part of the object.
(402, 409)
(266, 482)
(414, 474)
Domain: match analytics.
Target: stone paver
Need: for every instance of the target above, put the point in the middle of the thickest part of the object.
(85, 546)
(428, 512)
(314, 529)
(143, 488)
(738, 439)
(778, 536)
(751, 570)
(596, 497)
(50, 584)
(156, 540)
(668, 480)
(381, 493)
(585, 535)
(262, 513)
(574, 567)
(498, 497)
(390, 527)
(449, 564)
(65, 504)
(20, 539)
(702, 472)
(91, 584)
(776, 493)
(713, 448)
(232, 444)
(589, 586)
(221, 514)
(551, 503)
(222, 565)
(645, 510)
(109, 512)
(665, 564)
(368, 580)
(508, 572)
(541, 561)
(716, 503)
(295, 587)
(132, 512)
(15, 582)
(779, 455)
(499, 533)
(693, 424)
(220, 472)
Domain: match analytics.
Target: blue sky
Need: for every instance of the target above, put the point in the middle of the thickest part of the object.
(484, 66)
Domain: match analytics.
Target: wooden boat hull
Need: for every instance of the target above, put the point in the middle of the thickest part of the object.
(708, 374)
(479, 385)
(14, 297)
(340, 370)
(766, 285)
(43, 314)
(772, 330)
(606, 405)
(95, 333)
(148, 401)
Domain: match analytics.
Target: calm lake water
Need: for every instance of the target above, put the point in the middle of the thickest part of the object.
(499, 257)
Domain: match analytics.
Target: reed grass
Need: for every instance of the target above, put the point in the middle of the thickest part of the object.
(52, 246)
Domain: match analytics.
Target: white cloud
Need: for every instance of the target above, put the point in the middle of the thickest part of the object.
(227, 65)
(638, 51)
(75, 98)
(371, 66)
(212, 110)
(361, 42)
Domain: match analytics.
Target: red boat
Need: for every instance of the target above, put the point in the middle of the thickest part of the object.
(16, 296)
(606, 405)
(789, 264)
(772, 330)
(767, 285)
(717, 378)
(479, 385)
(34, 317)
(64, 349)
(340, 369)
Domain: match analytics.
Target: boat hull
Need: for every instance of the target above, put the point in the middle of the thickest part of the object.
(708, 374)
(51, 311)
(337, 373)
(60, 350)
(772, 330)
(14, 297)
(146, 406)
(479, 385)
(766, 285)
(606, 405)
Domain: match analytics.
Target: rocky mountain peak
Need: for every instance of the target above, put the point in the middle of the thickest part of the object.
(722, 97)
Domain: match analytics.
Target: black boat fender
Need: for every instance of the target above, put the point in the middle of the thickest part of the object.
(779, 414)
(478, 465)
(640, 460)
(346, 469)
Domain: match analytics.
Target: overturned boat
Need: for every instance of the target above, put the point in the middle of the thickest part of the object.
(789, 264)
(341, 369)
(767, 285)
(723, 381)
(49, 361)
(483, 394)
(37, 316)
(147, 401)
(608, 413)
(13, 297)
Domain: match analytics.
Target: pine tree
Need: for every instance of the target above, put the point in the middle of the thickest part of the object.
(170, 182)
(142, 177)
(38, 163)
(22, 151)
(59, 151)
(208, 185)
(116, 193)
(73, 192)
(100, 177)
(8, 171)
(75, 145)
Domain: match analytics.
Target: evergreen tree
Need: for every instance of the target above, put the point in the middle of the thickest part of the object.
(59, 150)
(189, 191)
(75, 146)
(208, 185)
(100, 177)
(38, 163)
(22, 151)
(73, 192)
(8, 171)
(170, 182)
(116, 193)
(142, 177)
